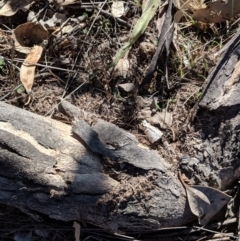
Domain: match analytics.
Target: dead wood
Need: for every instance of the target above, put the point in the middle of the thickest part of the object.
(216, 161)
(45, 168)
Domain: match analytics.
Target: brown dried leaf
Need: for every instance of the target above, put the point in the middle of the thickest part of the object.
(10, 7)
(218, 11)
(27, 35)
(205, 202)
(66, 2)
(217, 200)
(188, 6)
(28, 67)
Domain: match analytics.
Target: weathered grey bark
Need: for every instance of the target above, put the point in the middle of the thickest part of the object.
(216, 159)
(45, 168)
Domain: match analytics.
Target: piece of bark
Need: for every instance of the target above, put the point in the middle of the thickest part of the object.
(217, 92)
(45, 168)
(217, 158)
(117, 145)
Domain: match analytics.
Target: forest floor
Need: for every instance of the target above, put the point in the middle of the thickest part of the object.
(73, 66)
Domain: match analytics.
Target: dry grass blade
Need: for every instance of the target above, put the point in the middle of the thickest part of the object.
(138, 30)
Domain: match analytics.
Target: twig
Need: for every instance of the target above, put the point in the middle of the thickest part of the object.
(108, 14)
(211, 231)
(119, 20)
(65, 98)
(5, 96)
(41, 65)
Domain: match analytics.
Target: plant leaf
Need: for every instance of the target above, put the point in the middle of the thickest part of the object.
(217, 200)
(218, 11)
(205, 202)
(27, 70)
(9, 8)
(141, 25)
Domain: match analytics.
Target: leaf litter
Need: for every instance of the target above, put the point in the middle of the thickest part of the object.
(85, 39)
(205, 202)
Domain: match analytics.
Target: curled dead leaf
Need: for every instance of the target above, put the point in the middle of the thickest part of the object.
(27, 70)
(218, 11)
(27, 35)
(9, 8)
(66, 2)
(205, 202)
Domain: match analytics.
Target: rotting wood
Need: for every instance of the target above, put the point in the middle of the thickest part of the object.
(45, 168)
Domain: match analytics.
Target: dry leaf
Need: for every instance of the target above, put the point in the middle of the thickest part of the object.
(205, 202)
(27, 70)
(118, 9)
(77, 231)
(188, 6)
(10, 7)
(128, 87)
(164, 119)
(66, 2)
(218, 11)
(122, 68)
(217, 200)
(27, 35)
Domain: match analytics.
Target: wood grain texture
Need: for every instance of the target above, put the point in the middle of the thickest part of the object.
(45, 168)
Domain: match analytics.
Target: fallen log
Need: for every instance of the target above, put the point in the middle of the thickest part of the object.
(46, 168)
